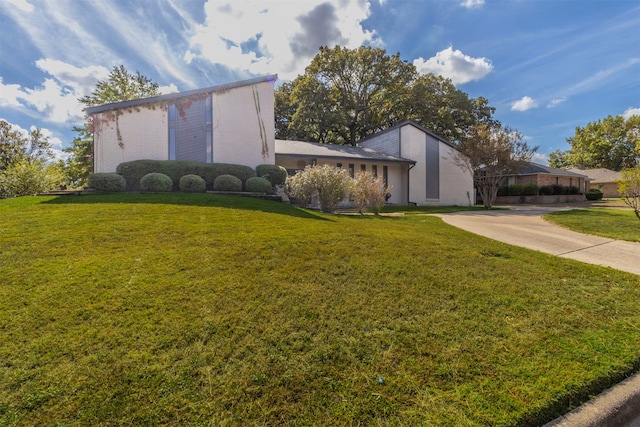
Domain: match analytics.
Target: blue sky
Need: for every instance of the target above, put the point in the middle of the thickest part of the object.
(547, 66)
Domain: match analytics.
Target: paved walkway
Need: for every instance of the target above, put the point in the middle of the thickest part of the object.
(523, 226)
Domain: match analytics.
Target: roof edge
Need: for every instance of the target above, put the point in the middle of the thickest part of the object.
(177, 95)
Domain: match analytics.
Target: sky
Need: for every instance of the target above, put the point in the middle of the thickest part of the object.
(547, 66)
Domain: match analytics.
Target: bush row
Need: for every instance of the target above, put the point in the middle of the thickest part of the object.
(133, 172)
(532, 189)
(155, 182)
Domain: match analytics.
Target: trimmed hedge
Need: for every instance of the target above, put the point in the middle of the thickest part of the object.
(175, 169)
(593, 194)
(227, 183)
(107, 182)
(531, 189)
(156, 183)
(277, 175)
(258, 184)
(192, 184)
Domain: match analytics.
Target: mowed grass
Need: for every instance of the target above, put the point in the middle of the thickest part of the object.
(620, 224)
(210, 310)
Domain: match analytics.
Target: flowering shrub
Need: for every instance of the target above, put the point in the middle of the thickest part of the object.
(369, 191)
(328, 183)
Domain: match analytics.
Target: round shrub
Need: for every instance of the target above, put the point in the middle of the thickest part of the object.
(277, 175)
(156, 183)
(259, 185)
(107, 182)
(227, 183)
(192, 184)
(593, 194)
(515, 189)
(531, 189)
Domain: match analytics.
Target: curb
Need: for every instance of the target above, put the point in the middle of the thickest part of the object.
(616, 407)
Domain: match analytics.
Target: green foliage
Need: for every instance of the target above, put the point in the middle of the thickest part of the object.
(16, 147)
(79, 165)
(369, 191)
(192, 184)
(107, 182)
(593, 194)
(612, 143)
(515, 189)
(135, 170)
(277, 175)
(176, 169)
(227, 183)
(347, 94)
(259, 185)
(531, 189)
(547, 190)
(629, 188)
(28, 177)
(329, 184)
(156, 183)
(194, 309)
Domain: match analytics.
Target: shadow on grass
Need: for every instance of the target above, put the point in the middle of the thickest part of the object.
(205, 200)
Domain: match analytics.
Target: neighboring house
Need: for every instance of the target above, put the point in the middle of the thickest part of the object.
(296, 155)
(545, 175)
(234, 123)
(230, 123)
(602, 179)
(436, 178)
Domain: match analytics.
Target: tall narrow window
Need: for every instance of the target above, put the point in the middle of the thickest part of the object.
(172, 131)
(385, 175)
(374, 169)
(208, 118)
(351, 169)
(363, 168)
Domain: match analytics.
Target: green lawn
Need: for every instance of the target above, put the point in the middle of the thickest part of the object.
(211, 310)
(621, 224)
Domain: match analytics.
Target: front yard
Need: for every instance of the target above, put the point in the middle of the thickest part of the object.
(210, 310)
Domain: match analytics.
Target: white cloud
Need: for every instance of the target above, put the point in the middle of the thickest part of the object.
(23, 5)
(279, 37)
(540, 158)
(472, 3)
(556, 101)
(56, 100)
(631, 111)
(168, 89)
(523, 104)
(455, 65)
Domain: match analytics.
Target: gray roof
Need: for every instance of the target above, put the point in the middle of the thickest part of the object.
(178, 95)
(314, 149)
(536, 168)
(415, 125)
(599, 175)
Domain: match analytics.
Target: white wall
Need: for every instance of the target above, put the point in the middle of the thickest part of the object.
(236, 125)
(144, 136)
(456, 184)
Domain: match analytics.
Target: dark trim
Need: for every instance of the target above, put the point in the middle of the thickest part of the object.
(178, 95)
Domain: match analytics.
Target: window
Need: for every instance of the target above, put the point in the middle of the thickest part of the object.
(385, 175)
(374, 169)
(339, 165)
(351, 169)
(363, 168)
(172, 131)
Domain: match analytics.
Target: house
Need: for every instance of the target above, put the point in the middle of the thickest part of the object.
(435, 178)
(296, 155)
(234, 123)
(545, 175)
(230, 123)
(602, 179)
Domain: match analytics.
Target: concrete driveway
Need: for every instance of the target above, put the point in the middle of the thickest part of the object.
(523, 226)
